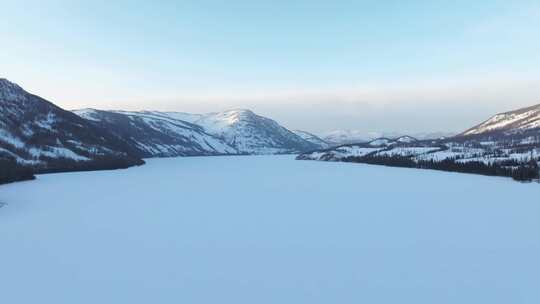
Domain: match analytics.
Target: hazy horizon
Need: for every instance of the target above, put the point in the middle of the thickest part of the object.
(369, 65)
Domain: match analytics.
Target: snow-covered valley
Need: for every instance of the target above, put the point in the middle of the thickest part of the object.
(268, 229)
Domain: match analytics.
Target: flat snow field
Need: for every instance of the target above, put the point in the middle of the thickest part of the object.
(269, 229)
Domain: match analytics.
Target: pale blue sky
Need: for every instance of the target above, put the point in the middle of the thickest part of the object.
(315, 65)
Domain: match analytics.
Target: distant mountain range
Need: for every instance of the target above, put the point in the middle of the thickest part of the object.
(342, 137)
(38, 136)
(507, 144)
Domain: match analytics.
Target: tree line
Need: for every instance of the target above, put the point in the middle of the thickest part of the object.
(520, 171)
(11, 171)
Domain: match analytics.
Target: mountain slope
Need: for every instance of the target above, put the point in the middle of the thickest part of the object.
(230, 132)
(312, 138)
(513, 122)
(251, 133)
(154, 133)
(36, 133)
(157, 134)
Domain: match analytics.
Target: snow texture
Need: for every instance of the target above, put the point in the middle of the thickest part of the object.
(269, 229)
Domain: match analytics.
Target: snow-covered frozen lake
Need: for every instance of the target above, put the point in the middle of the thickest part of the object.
(269, 229)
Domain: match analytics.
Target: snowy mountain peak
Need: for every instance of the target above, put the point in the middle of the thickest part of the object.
(87, 113)
(253, 134)
(509, 122)
(250, 133)
(344, 137)
(381, 142)
(239, 131)
(349, 136)
(406, 139)
(245, 112)
(231, 117)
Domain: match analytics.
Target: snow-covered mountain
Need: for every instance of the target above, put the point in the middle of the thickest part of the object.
(406, 139)
(36, 133)
(158, 134)
(432, 135)
(385, 141)
(176, 133)
(249, 132)
(343, 137)
(312, 138)
(508, 123)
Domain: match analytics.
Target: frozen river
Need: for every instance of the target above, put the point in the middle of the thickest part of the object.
(269, 229)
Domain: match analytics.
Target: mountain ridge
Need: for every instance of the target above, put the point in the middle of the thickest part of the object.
(348, 136)
(238, 131)
(509, 122)
(154, 134)
(35, 132)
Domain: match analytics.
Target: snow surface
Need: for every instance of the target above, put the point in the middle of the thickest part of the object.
(269, 229)
(11, 139)
(353, 151)
(57, 152)
(48, 122)
(340, 152)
